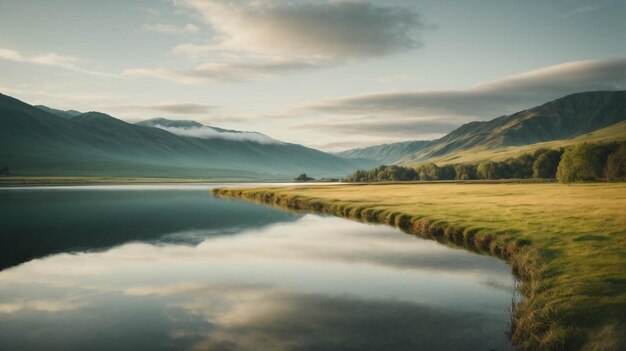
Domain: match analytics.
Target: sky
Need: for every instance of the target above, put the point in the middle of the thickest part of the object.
(329, 74)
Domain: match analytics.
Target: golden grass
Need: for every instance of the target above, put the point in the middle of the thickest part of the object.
(567, 243)
(616, 132)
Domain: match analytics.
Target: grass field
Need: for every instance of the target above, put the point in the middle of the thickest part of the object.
(566, 243)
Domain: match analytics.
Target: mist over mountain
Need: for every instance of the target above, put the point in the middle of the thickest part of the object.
(560, 119)
(35, 141)
(198, 130)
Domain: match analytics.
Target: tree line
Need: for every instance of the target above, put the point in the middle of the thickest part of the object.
(581, 162)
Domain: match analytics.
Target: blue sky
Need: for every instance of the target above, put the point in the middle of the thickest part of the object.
(328, 74)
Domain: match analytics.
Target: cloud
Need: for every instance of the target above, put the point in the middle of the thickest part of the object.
(328, 28)
(490, 99)
(49, 59)
(269, 38)
(422, 113)
(579, 11)
(382, 127)
(230, 71)
(205, 132)
(171, 29)
(176, 108)
(397, 78)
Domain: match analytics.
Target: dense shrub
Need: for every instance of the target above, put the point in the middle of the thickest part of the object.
(303, 178)
(616, 164)
(546, 163)
(464, 172)
(586, 161)
(428, 171)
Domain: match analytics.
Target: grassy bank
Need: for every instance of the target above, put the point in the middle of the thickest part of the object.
(566, 243)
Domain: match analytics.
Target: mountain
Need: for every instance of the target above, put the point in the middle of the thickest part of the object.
(65, 114)
(561, 119)
(615, 132)
(34, 141)
(386, 153)
(197, 130)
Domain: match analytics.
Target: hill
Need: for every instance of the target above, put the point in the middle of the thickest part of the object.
(34, 141)
(562, 119)
(65, 114)
(386, 153)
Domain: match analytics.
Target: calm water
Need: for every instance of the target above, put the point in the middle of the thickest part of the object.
(172, 268)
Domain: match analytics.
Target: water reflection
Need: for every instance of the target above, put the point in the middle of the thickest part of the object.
(38, 222)
(301, 283)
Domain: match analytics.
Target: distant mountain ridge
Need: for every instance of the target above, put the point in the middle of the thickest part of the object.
(386, 153)
(198, 130)
(65, 114)
(34, 141)
(560, 119)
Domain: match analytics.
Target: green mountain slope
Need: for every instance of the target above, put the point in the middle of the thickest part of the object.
(616, 132)
(37, 142)
(65, 114)
(561, 119)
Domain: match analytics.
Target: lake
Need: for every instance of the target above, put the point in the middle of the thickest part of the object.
(170, 267)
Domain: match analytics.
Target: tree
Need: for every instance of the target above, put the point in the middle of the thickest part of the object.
(5, 171)
(303, 178)
(428, 171)
(446, 172)
(487, 170)
(616, 164)
(519, 167)
(546, 164)
(584, 161)
(464, 172)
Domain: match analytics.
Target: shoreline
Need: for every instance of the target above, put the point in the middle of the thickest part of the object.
(17, 181)
(535, 322)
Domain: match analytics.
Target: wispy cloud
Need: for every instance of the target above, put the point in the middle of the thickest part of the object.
(171, 28)
(227, 71)
(488, 99)
(424, 112)
(206, 132)
(407, 128)
(175, 108)
(268, 38)
(52, 59)
(396, 78)
(579, 11)
(59, 99)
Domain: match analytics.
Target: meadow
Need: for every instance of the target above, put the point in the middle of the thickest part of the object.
(566, 243)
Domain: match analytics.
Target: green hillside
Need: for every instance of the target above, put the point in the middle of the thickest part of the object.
(37, 142)
(560, 120)
(616, 132)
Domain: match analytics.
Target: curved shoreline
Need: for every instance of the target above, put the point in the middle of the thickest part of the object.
(525, 269)
(535, 323)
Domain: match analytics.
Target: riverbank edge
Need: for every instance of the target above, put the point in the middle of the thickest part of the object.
(531, 328)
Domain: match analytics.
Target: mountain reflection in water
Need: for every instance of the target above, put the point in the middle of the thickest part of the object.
(277, 281)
